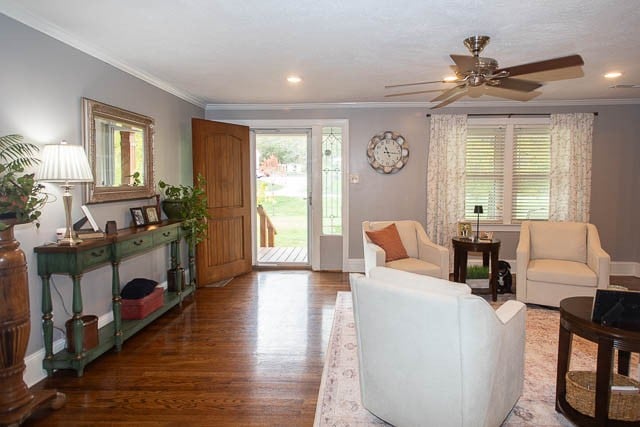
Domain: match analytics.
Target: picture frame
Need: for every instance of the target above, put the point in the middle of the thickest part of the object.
(151, 215)
(137, 214)
(464, 229)
(92, 221)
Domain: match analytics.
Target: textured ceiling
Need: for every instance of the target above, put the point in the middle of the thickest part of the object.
(230, 51)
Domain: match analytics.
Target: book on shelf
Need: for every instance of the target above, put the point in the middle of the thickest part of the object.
(90, 234)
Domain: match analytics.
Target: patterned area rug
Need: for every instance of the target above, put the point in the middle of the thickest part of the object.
(339, 397)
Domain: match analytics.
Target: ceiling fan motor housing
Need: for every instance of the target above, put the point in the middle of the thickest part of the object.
(476, 44)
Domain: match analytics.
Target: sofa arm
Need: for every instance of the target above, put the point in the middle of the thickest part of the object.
(523, 255)
(597, 259)
(374, 256)
(509, 310)
(435, 254)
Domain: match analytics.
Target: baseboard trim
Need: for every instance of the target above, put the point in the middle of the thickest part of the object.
(34, 373)
(625, 268)
(354, 265)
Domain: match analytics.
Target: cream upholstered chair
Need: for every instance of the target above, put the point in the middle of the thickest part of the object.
(425, 257)
(556, 260)
(432, 354)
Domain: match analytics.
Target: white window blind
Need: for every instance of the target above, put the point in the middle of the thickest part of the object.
(484, 171)
(531, 160)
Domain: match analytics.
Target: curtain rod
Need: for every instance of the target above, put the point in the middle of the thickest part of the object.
(509, 115)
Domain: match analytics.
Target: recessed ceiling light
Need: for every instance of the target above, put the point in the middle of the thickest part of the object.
(450, 78)
(294, 79)
(613, 74)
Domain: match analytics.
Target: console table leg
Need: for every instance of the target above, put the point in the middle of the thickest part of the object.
(116, 304)
(47, 324)
(78, 325)
(493, 281)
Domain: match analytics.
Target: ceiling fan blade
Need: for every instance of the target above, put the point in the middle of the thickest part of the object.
(413, 93)
(451, 99)
(517, 84)
(415, 84)
(549, 64)
(449, 93)
(463, 62)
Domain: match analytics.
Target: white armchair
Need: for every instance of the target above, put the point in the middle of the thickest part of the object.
(556, 260)
(432, 354)
(425, 257)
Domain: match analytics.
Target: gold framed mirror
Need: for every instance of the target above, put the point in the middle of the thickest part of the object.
(119, 144)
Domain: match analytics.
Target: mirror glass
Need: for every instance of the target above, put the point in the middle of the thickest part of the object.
(119, 144)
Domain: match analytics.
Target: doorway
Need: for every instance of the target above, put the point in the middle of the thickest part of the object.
(283, 197)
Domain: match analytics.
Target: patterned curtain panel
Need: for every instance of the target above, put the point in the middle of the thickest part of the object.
(445, 177)
(570, 178)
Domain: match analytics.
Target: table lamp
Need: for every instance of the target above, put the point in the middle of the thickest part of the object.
(66, 164)
(477, 209)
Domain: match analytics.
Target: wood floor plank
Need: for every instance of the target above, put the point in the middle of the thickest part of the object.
(247, 354)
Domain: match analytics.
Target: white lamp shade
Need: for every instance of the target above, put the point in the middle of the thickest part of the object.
(64, 163)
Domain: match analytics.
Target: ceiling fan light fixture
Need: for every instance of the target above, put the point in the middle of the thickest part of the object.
(612, 75)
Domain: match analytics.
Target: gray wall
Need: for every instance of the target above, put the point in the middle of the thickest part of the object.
(41, 85)
(616, 169)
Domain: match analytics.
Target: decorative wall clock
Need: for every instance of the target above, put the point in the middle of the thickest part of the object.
(387, 152)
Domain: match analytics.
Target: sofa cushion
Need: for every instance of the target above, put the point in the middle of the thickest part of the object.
(563, 272)
(559, 240)
(389, 240)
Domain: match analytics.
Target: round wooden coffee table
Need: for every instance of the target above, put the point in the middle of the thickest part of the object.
(575, 318)
(462, 246)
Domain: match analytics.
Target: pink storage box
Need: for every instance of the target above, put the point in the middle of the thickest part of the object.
(134, 309)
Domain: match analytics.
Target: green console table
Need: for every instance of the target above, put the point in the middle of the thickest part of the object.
(91, 254)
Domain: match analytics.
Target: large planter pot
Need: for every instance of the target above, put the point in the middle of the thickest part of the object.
(16, 401)
(172, 208)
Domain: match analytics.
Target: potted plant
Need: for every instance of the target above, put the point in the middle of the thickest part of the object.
(478, 276)
(189, 204)
(20, 196)
(20, 200)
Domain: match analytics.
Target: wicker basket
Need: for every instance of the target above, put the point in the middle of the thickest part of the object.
(581, 393)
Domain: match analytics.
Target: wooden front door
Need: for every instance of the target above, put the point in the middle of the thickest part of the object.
(221, 155)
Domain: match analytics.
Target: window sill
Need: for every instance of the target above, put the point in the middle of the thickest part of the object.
(499, 227)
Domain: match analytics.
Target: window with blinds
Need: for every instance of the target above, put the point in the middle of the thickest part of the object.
(507, 171)
(531, 162)
(484, 171)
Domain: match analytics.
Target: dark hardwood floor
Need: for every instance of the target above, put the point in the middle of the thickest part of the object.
(248, 354)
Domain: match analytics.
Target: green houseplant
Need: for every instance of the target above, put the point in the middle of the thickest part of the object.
(21, 197)
(189, 204)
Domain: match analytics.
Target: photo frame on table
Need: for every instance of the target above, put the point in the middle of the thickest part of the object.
(137, 214)
(151, 214)
(92, 221)
(464, 229)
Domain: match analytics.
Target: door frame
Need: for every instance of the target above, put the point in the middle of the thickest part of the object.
(316, 126)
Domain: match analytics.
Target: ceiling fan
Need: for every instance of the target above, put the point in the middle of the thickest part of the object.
(474, 71)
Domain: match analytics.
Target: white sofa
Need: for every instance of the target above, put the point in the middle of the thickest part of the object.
(557, 260)
(425, 257)
(432, 354)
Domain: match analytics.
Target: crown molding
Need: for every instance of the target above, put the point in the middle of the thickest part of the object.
(19, 13)
(459, 104)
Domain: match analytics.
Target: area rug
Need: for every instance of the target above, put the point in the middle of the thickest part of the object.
(339, 396)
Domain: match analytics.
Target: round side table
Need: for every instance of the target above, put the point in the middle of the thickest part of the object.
(575, 318)
(489, 248)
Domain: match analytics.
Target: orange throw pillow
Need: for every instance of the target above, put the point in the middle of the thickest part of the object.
(388, 239)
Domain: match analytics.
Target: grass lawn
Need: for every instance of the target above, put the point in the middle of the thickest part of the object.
(289, 216)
